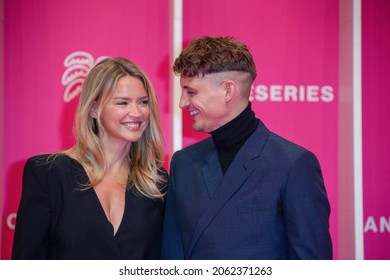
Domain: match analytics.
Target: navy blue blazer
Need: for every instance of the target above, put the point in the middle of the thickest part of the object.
(270, 204)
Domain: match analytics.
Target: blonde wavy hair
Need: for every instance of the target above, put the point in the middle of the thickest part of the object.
(145, 156)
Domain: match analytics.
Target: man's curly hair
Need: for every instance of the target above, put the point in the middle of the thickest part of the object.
(206, 55)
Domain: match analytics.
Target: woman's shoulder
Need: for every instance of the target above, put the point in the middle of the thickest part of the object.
(54, 168)
(50, 161)
(38, 158)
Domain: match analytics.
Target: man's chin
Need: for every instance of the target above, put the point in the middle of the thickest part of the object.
(197, 128)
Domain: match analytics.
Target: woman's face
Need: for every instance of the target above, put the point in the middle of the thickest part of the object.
(126, 115)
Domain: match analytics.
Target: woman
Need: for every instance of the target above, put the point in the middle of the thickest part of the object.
(104, 197)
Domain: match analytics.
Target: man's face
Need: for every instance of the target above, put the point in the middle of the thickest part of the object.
(203, 97)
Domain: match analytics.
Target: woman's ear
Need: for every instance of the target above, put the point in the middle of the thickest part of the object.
(93, 111)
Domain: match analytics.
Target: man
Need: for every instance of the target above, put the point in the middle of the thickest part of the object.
(244, 192)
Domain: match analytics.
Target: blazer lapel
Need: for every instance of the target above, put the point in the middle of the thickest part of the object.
(212, 173)
(221, 189)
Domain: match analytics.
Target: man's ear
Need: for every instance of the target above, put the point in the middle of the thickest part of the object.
(93, 111)
(230, 88)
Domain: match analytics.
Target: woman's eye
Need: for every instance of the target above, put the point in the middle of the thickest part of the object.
(122, 103)
(145, 102)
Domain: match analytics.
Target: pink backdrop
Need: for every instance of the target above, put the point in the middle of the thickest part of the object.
(39, 36)
(376, 129)
(295, 47)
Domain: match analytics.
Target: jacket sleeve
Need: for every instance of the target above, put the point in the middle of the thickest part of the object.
(32, 229)
(172, 244)
(307, 210)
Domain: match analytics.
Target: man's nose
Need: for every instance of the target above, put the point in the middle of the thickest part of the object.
(184, 101)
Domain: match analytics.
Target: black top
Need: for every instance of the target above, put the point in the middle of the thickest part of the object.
(229, 138)
(57, 220)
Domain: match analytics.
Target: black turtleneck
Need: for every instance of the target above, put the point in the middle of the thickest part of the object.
(229, 138)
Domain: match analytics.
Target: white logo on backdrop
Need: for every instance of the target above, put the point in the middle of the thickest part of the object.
(11, 219)
(379, 224)
(292, 93)
(77, 66)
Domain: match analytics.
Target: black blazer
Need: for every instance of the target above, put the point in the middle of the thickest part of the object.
(57, 220)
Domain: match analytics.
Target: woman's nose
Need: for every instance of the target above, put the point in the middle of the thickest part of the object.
(134, 111)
